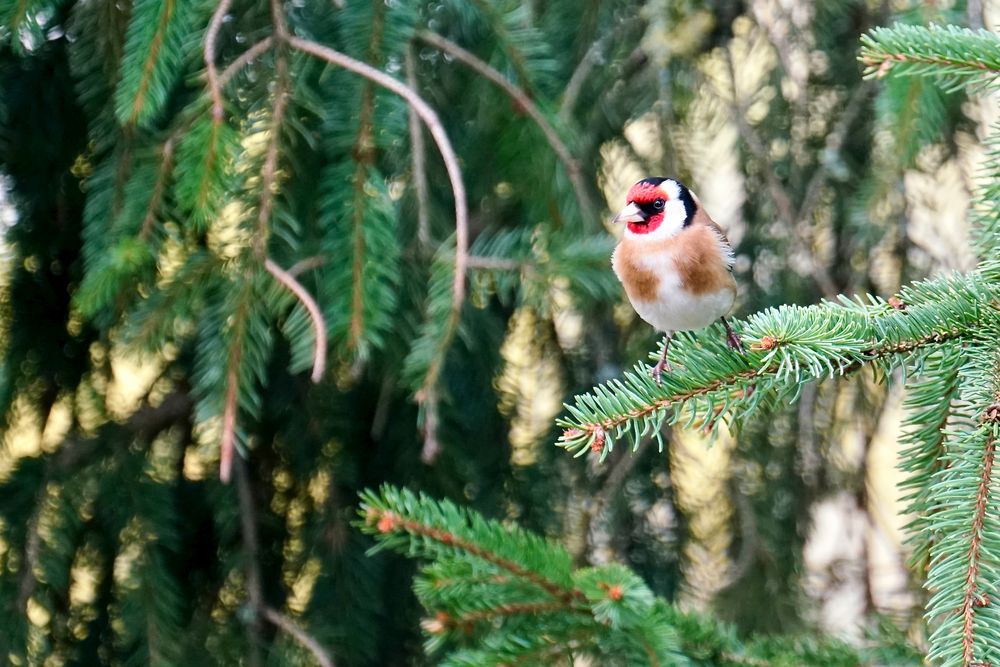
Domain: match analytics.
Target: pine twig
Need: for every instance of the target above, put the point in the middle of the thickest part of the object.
(301, 636)
(243, 60)
(319, 324)
(523, 101)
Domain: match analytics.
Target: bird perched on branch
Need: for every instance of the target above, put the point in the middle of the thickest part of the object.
(675, 263)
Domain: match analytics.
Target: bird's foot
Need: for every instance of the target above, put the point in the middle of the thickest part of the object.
(657, 372)
(733, 339)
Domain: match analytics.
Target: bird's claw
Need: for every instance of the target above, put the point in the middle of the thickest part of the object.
(657, 372)
(733, 339)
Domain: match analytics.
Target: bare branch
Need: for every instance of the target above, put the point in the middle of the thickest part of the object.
(228, 442)
(251, 559)
(243, 60)
(214, 87)
(319, 325)
(300, 635)
(525, 102)
(307, 264)
(419, 154)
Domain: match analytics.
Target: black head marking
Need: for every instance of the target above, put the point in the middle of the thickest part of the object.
(689, 205)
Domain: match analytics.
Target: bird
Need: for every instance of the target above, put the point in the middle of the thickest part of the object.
(675, 263)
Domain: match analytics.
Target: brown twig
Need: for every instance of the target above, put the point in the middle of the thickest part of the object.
(228, 441)
(162, 176)
(419, 155)
(212, 74)
(387, 522)
(243, 60)
(300, 635)
(307, 264)
(782, 200)
(834, 143)
(319, 325)
(972, 598)
(251, 560)
(524, 102)
(269, 172)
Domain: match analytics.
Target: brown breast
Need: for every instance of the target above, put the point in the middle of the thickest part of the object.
(697, 258)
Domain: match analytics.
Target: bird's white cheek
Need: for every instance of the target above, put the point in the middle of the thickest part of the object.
(674, 216)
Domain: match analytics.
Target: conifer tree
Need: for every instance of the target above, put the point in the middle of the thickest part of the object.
(310, 227)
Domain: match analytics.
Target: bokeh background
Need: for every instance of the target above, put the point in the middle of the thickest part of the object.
(118, 542)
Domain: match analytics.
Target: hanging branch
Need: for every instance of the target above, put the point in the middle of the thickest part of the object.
(300, 635)
(419, 153)
(434, 125)
(523, 101)
(319, 325)
(427, 395)
(211, 73)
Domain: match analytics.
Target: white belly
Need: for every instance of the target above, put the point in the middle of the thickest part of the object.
(676, 309)
(679, 311)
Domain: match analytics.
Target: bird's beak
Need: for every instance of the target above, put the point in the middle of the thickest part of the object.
(630, 213)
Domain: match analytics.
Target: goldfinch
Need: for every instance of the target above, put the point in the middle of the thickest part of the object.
(675, 263)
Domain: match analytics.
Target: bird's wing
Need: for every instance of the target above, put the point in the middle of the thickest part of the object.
(703, 218)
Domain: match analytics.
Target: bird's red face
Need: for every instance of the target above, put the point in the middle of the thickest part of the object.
(648, 199)
(657, 208)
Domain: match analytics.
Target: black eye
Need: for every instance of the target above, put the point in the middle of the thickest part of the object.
(658, 204)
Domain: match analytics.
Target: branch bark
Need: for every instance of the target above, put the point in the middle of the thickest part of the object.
(525, 102)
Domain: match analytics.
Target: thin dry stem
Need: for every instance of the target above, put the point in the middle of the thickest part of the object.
(419, 155)
(524, 102)
(162, 176)
(243, 60)
(212, 74)
(228, 442)
(298, 634)
(971, 597)
(319, 325)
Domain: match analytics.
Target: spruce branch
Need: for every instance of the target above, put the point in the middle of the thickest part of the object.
(524, 101)
(438, 133)
(788, 347)
(972, 598)
(956, 55)
(386, 521)
(288, 281)
(156, 198)
(427, 394)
